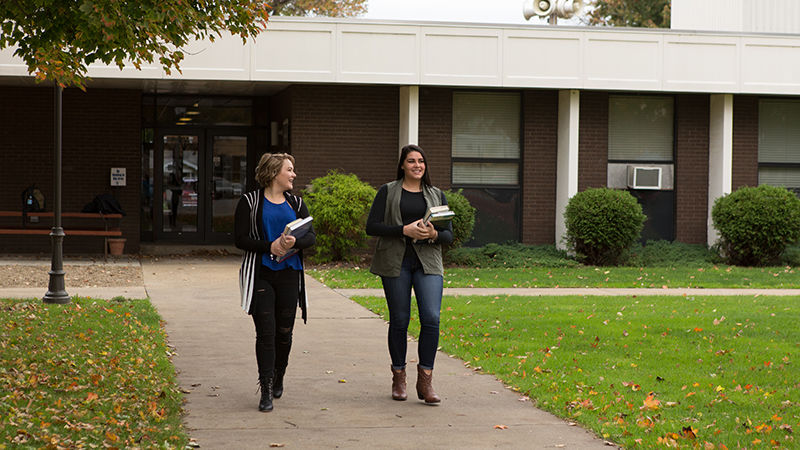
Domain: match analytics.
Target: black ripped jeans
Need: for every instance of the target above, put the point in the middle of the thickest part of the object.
(274, 308)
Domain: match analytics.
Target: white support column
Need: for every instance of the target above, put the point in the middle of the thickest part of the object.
(720, 155)
(409, 115)
(567, 160)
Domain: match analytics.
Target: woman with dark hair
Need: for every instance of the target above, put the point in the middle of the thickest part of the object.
(271, 286)
(409, 254)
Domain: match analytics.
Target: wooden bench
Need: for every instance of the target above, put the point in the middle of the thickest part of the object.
(34, 228)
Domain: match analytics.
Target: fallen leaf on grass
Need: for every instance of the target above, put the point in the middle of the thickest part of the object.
(633, 386)
(651, 402)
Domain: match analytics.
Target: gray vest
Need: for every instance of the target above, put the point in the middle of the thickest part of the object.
(389, 250)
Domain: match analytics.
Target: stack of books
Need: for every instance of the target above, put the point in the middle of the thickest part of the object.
(297, 228)
(438, 215)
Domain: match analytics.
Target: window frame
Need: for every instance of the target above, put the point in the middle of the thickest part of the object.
(672, 118)
(514, 190)
(776, 164)
(473, 159)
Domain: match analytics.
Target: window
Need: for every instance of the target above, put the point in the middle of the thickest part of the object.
(486, 138)
(166, 111)
(640, 131)
(640, 128)
(779, 143)
(486, 160)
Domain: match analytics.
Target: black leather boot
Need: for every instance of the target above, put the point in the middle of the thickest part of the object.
(265, 404)
(277, 386)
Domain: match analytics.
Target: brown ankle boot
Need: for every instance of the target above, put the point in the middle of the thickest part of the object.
(399, 384)
(424, 388)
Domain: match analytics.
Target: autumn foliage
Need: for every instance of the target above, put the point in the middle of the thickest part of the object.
(630, 13)
(332, 8)
(58, 40)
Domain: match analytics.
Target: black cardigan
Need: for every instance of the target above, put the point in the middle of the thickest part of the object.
(249, 236)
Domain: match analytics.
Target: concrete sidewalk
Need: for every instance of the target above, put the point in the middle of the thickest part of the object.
(337, 389)
(537, 292)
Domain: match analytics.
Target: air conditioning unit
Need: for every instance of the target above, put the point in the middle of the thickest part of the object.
(644, 177)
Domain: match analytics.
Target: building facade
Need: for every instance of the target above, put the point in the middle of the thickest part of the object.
(519, 117)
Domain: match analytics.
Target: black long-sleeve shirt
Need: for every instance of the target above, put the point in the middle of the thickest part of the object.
(412, 208)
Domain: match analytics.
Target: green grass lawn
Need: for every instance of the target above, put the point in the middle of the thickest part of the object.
(706, 372)
(92, 373)
(586, 276)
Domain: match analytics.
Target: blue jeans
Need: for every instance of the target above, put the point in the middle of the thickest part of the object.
(428, 290)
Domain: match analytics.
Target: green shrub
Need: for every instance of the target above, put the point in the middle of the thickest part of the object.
(791, 256)
(464, 221)
(339, 204)
(756, 224)
(602, 224)
(670, 254)
(510, 255)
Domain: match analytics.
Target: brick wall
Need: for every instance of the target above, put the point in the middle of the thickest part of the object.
(101, 129)
(435, 132)
(691, 167)
(593, 140)
(540, 149)
(745, 141)
(350, 128)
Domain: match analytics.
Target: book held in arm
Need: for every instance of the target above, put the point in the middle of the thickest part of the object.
(438, 215)
(297, 228)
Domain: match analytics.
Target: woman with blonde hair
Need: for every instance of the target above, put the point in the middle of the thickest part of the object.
(272, 285)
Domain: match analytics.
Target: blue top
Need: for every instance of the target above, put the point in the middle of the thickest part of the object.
(274, 218)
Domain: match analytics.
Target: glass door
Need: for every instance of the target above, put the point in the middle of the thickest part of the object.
(200, 176)
(179, 217)
(228, 169)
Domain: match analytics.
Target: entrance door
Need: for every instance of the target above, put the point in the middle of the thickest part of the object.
(228, 169)
(178, 161)
(201, 175)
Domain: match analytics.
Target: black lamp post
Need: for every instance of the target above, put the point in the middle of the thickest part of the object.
(56, 292)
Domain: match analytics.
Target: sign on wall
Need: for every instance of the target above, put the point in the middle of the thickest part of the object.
(118, 176)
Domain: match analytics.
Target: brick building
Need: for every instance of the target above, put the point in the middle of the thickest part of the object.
(521, 118)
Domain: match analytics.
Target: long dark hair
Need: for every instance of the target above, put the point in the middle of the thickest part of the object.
(426, 178)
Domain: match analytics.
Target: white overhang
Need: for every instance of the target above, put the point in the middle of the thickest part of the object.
(358, 51)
